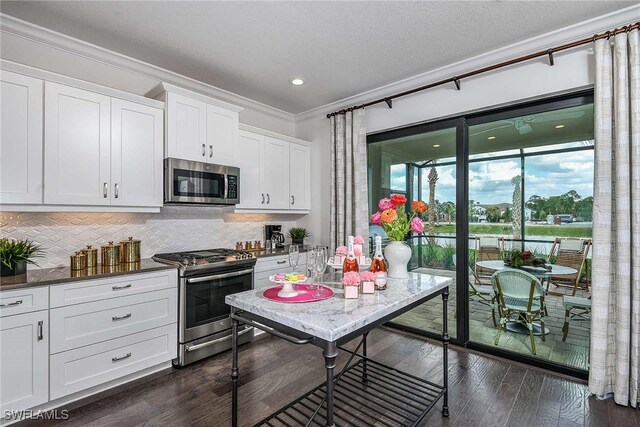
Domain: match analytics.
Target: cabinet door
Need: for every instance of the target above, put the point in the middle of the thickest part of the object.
(136, 154)
(222, 136)
(299, 176)
(76, 146)
(20, 139)
(275, 173)
(186, 128)
(251, 163)
(24, 361)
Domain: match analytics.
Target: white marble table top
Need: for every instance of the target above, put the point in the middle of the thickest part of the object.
(336, 317)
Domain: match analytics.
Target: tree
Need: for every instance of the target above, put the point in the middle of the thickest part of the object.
(493, 214)
(472, 211)
(450, 211)
(433, 178)
(584, 209)
(517, 213)
(537, 205)
(507, 215)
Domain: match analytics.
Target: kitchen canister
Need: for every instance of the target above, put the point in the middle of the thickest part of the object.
(129, 251)
(78, 261)
(92, 256)
(110, 254)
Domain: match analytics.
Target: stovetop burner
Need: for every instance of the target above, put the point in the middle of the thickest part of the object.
(209, 259)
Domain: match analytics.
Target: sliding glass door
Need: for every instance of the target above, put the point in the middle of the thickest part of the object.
(507, 181)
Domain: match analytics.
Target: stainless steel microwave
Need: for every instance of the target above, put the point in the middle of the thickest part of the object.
(192, 182)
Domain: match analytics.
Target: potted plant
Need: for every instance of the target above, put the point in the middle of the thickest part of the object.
(397, 224)
(298, 234)
(16, 254)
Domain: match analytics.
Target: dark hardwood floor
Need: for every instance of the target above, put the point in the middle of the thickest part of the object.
(484, 391)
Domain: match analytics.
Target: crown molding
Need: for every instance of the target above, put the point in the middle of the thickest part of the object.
(554, 38)
(68, 44)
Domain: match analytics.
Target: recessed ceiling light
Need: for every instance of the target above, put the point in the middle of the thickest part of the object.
(491, 137)
(559, 126)
(297, 81)
(436, 145)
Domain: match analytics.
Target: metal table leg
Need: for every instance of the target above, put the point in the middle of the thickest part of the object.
(445, 354)
(235, 372)
(364, 361)
(330, 354)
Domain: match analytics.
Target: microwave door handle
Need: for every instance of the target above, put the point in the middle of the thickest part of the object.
(226, 187)
(220, 276)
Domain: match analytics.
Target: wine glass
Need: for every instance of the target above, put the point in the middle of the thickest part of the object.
(311, 262)
(294, 256)
(319, 268)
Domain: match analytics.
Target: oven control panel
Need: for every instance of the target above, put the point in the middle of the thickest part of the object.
(232, 190)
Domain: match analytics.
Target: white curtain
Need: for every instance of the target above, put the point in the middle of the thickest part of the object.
(615, 324)
(349, 194)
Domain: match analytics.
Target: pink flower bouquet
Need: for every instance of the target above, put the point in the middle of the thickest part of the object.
(350, 281)
(395, 221)
(368, 282)
(341, 253)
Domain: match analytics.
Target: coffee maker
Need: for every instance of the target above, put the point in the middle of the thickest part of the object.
(273, 233)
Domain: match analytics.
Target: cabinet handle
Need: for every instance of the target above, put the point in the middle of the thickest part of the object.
(119, 288)
(18, 302)
(116, 318)
(210, 150)
(119, 358)
(268, 198)
(115, 192)
(105, 189)
(293, 200)
(41, 330)
(263, 198)
(281, 262)
(203, 152)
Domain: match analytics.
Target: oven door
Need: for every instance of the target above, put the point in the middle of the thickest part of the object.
(198, 182)
(202, 308)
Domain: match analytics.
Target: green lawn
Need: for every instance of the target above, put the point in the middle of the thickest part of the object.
(531, 230)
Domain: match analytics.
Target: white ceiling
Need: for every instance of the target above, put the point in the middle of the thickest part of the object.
(339, 48)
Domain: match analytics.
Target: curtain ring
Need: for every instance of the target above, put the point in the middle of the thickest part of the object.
(608, 33)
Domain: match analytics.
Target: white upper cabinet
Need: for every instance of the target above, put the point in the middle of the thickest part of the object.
(186, 128)
(20, 139)
(136, 154)
(275, 173)
(299, 176)
(222, 136)
(251, 164)
(198, 127)
(77, 146)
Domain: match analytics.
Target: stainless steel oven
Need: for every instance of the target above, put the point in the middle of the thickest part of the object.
(204, 324)
(192, 182)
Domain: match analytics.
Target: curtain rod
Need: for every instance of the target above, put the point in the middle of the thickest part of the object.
(456, 79)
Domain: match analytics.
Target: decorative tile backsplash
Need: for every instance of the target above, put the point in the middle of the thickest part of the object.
(175, 228)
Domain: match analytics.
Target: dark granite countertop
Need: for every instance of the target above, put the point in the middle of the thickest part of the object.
(51, 276)
(265, 253)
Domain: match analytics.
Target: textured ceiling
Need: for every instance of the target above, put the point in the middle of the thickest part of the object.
(339, 48)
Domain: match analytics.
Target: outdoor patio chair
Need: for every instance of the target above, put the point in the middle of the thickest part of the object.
(575, 308)
(520, 297)
(570, 252)
(487, 248)
(483, 294)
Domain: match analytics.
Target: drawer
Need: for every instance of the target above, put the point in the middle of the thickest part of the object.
(279, 264)
(79, 369)
(85, 324)
(100, 289)
(24, 301)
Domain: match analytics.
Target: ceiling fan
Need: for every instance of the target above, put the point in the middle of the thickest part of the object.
(523, 124)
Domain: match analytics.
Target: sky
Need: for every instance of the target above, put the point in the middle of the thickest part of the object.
(490, 181)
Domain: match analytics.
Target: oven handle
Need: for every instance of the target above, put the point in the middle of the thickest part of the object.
(216, 341)
(220, 276)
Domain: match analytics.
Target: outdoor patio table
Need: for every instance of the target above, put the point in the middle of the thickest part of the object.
(365, 392)
(556, 270)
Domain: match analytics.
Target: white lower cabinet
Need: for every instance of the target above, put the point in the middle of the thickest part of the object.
(84, 324)
(76, 370)
(266, 267)
(24, 361)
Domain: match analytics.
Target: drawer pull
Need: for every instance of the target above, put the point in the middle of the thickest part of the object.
(126, 316)
(11, 304)
(119, 288)
(281, 262)
(119, 358)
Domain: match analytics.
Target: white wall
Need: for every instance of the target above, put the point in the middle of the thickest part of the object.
(573, 70)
